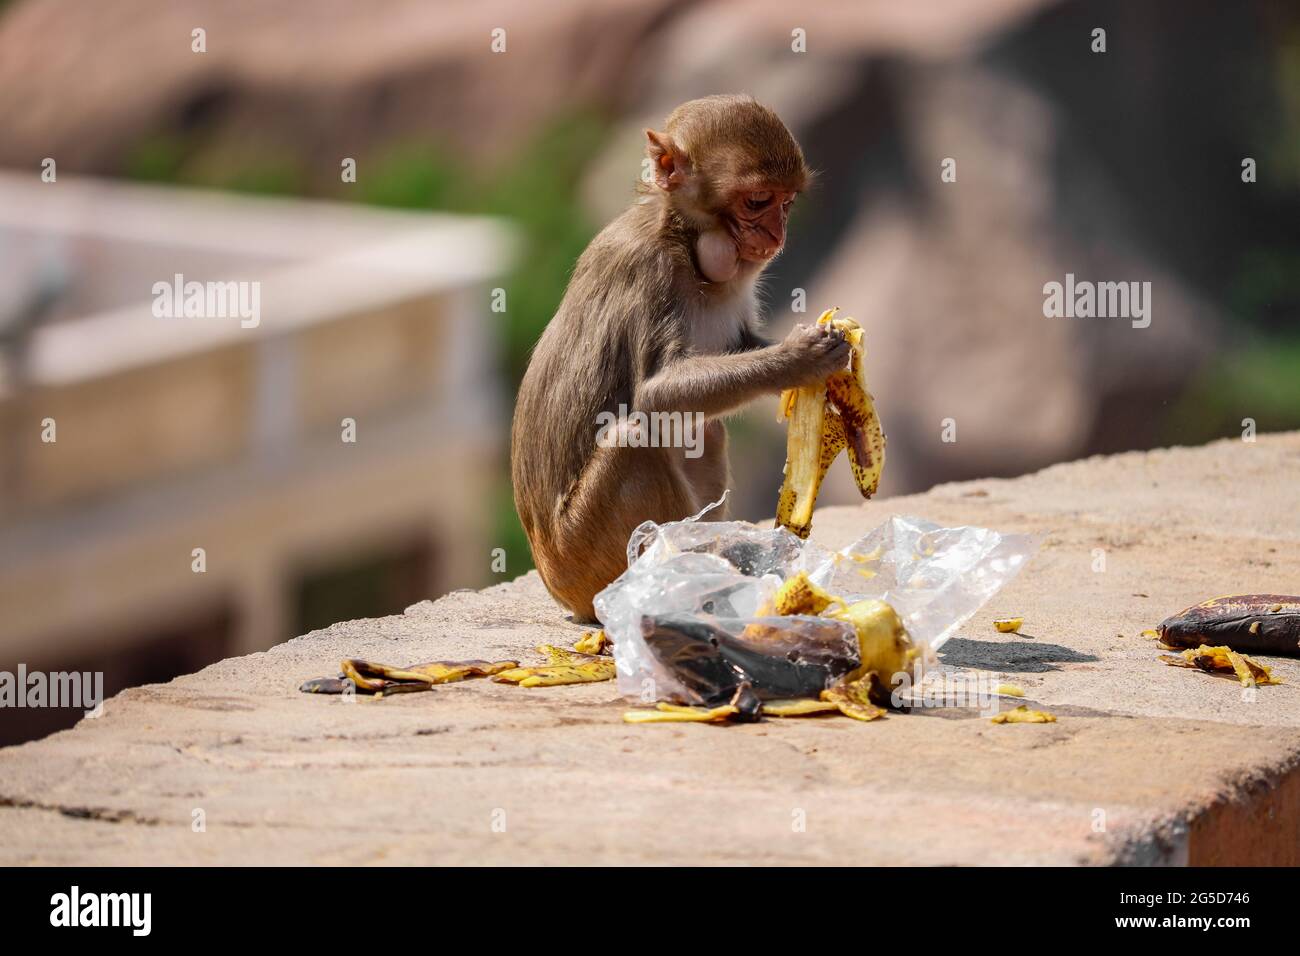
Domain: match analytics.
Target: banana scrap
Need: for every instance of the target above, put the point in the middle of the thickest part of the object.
(798, 595)
(1009, 625)
(562, 667)
(798, 707)
(665, 713)
(825, 419)
(593, 642)
(1023, 715)
(1224, 660)
(853, 698)
(367, 677)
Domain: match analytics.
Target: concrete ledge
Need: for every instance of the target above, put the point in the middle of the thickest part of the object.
(1147, 764)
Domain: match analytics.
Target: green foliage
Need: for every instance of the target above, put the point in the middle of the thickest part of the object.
(1260, 381)
(172, 158)
(415, 176)
(537, 190)
(156, 159)
(1266, 280)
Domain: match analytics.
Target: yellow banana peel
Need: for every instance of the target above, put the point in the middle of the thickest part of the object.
(665, 713)
(799, 595)
(853, 699)
(797, 707)
(884, 645)
(824, 420)
(593, 642)
(1224, 660)
(563, 667)
(1023, 715)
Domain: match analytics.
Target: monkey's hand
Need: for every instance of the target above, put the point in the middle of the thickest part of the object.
(813, 353)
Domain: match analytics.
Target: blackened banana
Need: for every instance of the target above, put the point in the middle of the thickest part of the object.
(1253, 623)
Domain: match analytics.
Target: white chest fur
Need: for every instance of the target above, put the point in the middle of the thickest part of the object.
(718, 323)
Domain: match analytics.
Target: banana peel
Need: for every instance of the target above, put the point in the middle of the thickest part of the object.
(797, 707)
(554, 675)
(593, 642)
(799, 595)
(826, 419)
(1224, 660)
(368, 677)
(884, 646)
(563, 666)
(1022, 714)
(665, 713)
(853, 698)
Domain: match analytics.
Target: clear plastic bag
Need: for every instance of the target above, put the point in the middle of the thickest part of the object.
(703, 576)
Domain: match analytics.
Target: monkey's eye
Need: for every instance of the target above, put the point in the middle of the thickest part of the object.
(758, 200)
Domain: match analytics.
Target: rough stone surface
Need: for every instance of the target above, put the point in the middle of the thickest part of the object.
(1147, 764)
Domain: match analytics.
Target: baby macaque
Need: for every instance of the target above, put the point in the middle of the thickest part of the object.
(660, 317)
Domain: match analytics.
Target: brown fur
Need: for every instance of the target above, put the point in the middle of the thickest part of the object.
(629, 331)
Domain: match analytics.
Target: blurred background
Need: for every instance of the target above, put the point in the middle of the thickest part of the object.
(201, 497)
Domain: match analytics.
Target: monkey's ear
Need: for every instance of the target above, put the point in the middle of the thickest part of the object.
(667, 164)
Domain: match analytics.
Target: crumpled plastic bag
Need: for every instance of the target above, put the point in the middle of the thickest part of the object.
(706, 575)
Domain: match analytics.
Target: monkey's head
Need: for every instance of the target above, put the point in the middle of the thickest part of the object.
(731, 170)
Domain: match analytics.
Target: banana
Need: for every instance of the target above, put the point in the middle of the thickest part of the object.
(1258, 623)
(825, 419)
(884, 646)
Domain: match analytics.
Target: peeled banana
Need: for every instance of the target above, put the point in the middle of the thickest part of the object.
(824, 420)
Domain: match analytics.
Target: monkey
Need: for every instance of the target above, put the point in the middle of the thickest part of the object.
(660, 315)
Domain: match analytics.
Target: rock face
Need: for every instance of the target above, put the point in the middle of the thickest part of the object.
(1147, 763)
(304, 78)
